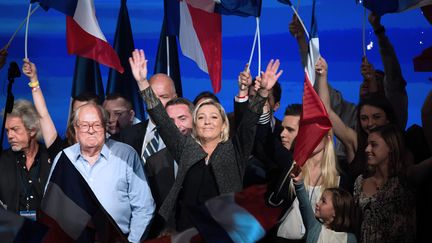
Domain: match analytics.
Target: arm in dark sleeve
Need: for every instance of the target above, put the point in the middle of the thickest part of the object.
(394, 83)
(56, 147)
(173, 139)
(306, 211)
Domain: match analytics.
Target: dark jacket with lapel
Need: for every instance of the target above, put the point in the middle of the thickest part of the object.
(227, 160)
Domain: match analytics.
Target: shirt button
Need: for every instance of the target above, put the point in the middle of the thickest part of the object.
(31, 197)
(30, 181)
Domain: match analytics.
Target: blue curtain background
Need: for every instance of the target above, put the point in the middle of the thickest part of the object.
(340, 23)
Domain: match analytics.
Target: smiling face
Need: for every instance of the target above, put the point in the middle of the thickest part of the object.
(324, 208)
(377, 150)
(371, 117)
(209, 123)
(18, 135)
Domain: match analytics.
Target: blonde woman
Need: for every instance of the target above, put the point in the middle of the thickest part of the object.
(319, 173)
(210, 163)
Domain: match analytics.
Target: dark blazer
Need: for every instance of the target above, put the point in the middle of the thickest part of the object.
(160, 174)
(133, 135)
(227, 160)
(10, 184)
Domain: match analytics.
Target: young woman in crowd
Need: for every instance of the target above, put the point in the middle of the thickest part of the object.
(383, 193)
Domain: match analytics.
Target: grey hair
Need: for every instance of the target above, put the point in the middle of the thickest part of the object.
(25, 110)
(103, 114)
(225, 131)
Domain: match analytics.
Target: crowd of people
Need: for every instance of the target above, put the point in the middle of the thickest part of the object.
(368, 180)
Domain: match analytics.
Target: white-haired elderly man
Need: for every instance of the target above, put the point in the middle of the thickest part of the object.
(113, 170)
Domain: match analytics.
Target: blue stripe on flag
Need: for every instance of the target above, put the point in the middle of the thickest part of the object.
(65, 6)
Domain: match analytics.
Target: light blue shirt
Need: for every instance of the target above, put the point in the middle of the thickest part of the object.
(118, 181)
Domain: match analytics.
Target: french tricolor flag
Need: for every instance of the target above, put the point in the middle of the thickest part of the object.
(83, 34)
(200, 38)
(314, 120)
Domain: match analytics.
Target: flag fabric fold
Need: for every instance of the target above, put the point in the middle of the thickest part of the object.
(245, 217)
(71, 210)
(382, 7)
(124, 83)
(243, 8)
(14, 228)
(314, 121)
(200, 38)
(167, 58)
(83, 34)
(87, 78)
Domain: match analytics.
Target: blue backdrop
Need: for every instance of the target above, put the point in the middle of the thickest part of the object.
(339, 24)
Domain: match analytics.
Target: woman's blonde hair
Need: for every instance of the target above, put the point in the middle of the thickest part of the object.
(225, 130)
(329, 171)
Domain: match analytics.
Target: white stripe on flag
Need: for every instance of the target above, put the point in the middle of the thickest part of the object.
(189, 43)
(240, 225)
(85, 17)
(313, 56)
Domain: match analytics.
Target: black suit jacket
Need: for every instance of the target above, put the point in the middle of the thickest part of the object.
(133, 135)
(10, 184)
(160, 175)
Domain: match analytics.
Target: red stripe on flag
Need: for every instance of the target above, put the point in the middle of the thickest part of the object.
(55, 232)
(208, 27)
(81, 43)
(253, 200)
(314, 124)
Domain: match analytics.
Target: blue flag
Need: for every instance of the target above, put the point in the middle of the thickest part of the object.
(244, 8)
(87, 78)
(125, 83)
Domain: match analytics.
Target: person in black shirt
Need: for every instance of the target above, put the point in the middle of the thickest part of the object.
(25, 166)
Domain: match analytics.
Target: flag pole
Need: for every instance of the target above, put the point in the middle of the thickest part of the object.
(364, 31)
(300, 20)
(26, 30)
(19, 27)
(280, 187)
(259, 45)
(253, 47)
(168, 55)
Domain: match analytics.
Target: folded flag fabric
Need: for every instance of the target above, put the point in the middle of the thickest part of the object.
(245, 218)
(71, 210)
(14, 228)
(314, 121)
(188, 236)
(381, 7)
(83, 34)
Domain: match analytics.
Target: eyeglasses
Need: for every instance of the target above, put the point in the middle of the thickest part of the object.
(85, 127)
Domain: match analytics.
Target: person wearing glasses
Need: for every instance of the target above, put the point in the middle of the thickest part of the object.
(113, 170)
(120, 112)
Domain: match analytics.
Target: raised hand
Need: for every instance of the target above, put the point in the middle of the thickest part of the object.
(29, 70)
(271, 75)
(138, 64)
(321, 67)
(295, 28)
(245, 79)
(367, 69)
